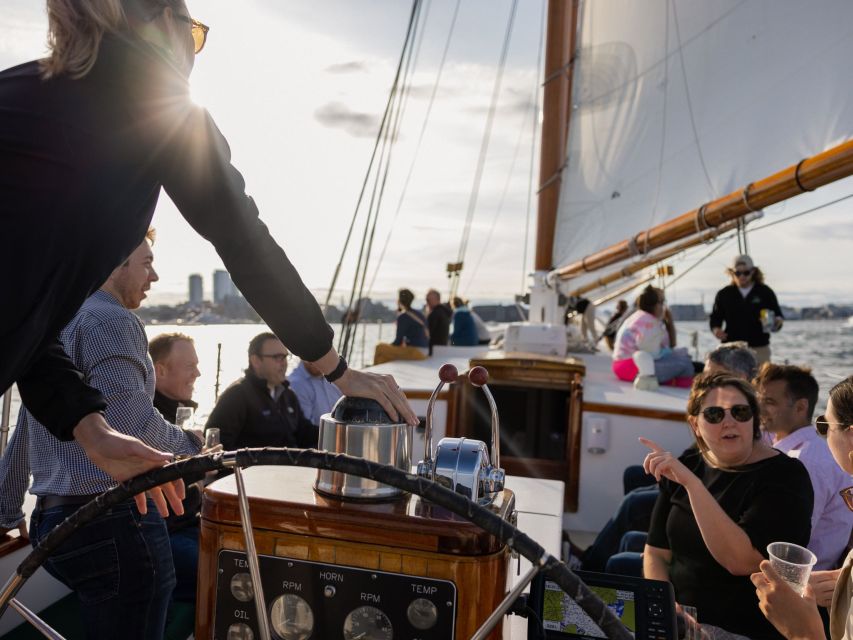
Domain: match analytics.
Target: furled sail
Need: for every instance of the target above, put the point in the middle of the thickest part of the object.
(678, 102)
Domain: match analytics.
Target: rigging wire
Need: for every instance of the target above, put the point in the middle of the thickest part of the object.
(484, 147)
(533, 149)
(403, 193)
(802, 213)
(689, 101)
(344, 344)
(500, 208)
(392, 137)
(663, 119)
(415, 5)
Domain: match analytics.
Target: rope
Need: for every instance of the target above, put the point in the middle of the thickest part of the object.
(194, 469)
(346, 340)
(415, 4)
(484, 147)
(417, 147)
(532, 151)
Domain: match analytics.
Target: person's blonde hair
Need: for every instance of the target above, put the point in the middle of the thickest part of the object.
(75, 30)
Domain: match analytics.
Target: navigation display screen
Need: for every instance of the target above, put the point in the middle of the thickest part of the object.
(561, 613)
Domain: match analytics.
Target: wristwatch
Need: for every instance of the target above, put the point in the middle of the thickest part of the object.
(338, 371)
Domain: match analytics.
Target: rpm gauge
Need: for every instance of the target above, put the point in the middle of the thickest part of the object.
(292, 618)
(367, 623)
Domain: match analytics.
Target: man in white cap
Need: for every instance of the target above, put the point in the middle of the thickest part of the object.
(746, 309)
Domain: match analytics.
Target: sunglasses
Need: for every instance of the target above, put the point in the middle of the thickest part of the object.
(822, 425)
(715, 415)
(278, 357)
(737, 272)
(199, 31)
(847, 494)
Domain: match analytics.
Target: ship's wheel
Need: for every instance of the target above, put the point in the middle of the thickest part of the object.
(195, 468)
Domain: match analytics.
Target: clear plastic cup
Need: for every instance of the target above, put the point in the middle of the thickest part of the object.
(792, 562)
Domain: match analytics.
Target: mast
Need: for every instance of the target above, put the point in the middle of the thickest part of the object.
(559, 47)
(807, 175)
(557, 92)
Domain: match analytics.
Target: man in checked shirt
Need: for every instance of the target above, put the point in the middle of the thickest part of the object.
(120, 565)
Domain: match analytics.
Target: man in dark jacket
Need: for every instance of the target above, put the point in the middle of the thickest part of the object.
(260, 410)
(747, 309)
(438, 319)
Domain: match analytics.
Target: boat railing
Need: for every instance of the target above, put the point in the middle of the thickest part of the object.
(5, 419)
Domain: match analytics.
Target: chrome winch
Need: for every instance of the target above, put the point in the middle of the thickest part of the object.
(463, 464)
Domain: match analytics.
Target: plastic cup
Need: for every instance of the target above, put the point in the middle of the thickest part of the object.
(792, 562)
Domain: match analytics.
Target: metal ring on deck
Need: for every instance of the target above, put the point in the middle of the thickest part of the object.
(799, 182)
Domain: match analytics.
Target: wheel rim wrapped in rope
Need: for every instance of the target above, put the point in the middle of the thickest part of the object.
(195, 468)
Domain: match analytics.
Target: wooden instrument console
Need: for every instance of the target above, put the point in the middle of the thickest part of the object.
(332, 569)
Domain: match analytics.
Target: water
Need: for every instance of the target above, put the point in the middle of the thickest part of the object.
(824, 345)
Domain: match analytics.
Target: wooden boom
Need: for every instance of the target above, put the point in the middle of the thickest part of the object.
(807, 175)
(634, 267)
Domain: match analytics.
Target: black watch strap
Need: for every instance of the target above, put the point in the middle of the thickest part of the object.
(338, 371)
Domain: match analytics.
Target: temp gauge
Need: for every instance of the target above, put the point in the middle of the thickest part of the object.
(367, 623)
(240, 631)
(292, 618)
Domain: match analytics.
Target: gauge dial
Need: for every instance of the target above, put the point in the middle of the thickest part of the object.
(241, 587)
(240, 631)
(367, 623)
(422, 614)
(292, 618)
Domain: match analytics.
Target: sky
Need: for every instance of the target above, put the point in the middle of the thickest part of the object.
(298, 89)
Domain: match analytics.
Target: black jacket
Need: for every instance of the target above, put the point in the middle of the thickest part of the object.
(438, 323)
(248, 416)
(168, 408)
(740, 317)
(82, 163)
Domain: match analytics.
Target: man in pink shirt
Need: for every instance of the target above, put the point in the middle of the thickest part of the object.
(788, 395)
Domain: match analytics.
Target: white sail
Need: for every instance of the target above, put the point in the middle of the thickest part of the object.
(678, 102)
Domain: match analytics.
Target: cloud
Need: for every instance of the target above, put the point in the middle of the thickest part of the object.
(354, 66)
(337, 115)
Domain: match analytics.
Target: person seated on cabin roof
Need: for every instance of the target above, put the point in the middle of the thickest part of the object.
(127, 551)
(176, 369)
(411, 324)
(796, 616)
(464, 329)
(581, 311)
(787, 395)
(618, 546)
(438, 315)
(614, 322)
(732, 357)
(316, 395)
(644, 351)
(720, 505)
(260, 409)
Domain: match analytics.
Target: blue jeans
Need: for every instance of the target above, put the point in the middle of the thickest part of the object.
(119, 566)
(676, 364)
(634, 514)
(185, 556)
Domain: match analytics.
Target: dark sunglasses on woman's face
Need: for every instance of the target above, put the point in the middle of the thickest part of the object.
(822, 425)
(715, 415)
(744, 273)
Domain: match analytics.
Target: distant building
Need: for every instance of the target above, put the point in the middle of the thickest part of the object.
(196, 290)
(222, 286)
